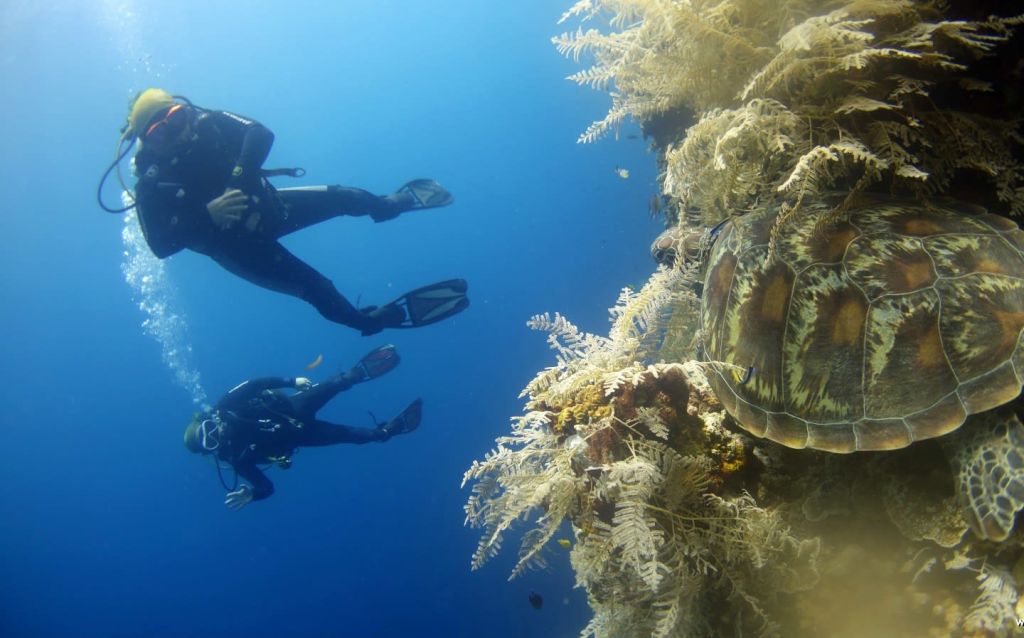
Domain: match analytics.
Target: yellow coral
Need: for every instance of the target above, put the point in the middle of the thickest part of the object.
(800, 96)
(616, 452)
(587, 406)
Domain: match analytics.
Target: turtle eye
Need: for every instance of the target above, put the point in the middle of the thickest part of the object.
(663, 250)
(664, 256)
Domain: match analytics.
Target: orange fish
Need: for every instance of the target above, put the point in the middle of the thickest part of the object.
(319, 359)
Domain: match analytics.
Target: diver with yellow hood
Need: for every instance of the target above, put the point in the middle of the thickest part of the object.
(201, 185)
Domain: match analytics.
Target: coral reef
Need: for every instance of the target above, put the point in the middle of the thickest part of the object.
(637, 459)
(797, 97)
(683, 524)
(685, 527)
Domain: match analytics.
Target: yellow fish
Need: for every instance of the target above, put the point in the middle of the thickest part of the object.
(319, 359)
(565, 543)
(622, 172)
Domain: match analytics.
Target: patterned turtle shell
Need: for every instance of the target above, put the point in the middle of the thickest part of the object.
(887, 327)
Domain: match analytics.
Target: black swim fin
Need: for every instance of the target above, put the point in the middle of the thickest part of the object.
(425, 193)
(407, 421)
(377, 362)
(415, 195)
(426, 305)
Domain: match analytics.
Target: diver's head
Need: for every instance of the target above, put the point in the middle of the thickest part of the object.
(160, 121)
(202, 434)
(157, 119)
(192, 438)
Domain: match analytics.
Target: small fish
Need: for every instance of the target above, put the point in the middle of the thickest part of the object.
(315, 362)
(632, 136)
(565, 543)
(622, 172)
(654, 205)
(536, 600)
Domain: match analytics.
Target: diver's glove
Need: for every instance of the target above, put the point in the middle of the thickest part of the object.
(227, 209)
(239, 498)
(302, 383)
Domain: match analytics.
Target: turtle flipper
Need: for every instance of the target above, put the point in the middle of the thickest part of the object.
(988, 458)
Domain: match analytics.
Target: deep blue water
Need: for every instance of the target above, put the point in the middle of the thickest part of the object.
(108, 526)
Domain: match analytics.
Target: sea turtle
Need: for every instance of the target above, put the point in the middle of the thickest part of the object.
(889, 326)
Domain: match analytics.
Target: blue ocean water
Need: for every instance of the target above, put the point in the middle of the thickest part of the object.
(109, 527)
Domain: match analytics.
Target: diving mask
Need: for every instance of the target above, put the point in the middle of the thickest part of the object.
(209, 434)
(165, 129)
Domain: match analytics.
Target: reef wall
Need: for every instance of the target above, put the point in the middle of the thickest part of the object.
(688, 519)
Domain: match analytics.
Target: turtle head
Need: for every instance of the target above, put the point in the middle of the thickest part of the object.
(676, 246)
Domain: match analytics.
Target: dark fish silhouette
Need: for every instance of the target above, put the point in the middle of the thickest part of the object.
(654, 205)
(536, 600)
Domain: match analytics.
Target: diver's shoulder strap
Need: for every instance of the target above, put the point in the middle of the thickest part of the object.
(283, 172)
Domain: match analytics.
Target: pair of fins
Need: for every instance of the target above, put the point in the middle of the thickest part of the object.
(379, 362)
(429, 304)
(417, 308)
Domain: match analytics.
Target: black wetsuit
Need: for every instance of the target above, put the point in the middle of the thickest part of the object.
(173, 191)
(262, 425)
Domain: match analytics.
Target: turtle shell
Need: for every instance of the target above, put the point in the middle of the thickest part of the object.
(889, 326)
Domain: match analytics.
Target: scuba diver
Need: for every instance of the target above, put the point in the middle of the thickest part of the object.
(256, 424)
(201, 186)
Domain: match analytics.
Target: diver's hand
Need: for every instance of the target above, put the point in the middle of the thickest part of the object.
(302, 383)
(228, 208)
(239, 498)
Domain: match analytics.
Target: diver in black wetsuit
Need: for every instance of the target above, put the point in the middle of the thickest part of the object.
(201, 186)
(256, 424)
